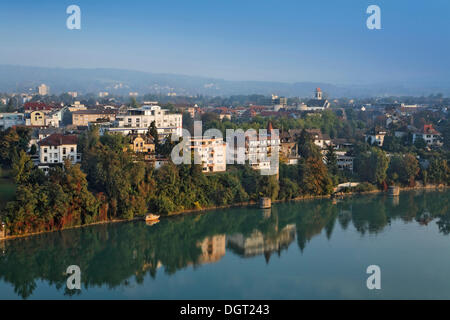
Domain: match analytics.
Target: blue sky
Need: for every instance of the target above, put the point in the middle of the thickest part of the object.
(322, 40)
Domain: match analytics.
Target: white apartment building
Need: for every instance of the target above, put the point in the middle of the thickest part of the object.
(8, 120)
(211, 151)
(138, 120)
(259, 149)
(56, 148)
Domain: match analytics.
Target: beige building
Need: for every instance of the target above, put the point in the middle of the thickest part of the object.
(141, 144)
(37, 119)
(83, 117)
(213, 249)
(77, 106)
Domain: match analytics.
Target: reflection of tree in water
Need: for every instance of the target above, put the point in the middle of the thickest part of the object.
(117, 254)
(313, 218)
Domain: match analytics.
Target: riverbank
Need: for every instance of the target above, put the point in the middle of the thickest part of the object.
(241, 204)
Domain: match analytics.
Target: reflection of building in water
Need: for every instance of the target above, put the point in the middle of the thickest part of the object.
(258, 243)
(213, 249)
(267, 213)
(395, 201)
(151, 266)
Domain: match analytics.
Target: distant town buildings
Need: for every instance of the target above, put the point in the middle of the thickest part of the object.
(318, 103)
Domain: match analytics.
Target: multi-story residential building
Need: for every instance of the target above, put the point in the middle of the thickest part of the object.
(138, 120)
(211, 151)
(84, 117)
(260, 147)
(56, 148)
(344, 161)
(431, 136)
(8, 120)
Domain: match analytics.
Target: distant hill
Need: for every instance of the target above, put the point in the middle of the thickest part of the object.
(117, 81)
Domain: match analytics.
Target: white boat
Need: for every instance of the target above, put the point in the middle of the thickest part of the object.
(151, 217)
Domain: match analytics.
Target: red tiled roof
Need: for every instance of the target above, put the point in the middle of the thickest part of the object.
(37, 106)
(428, 129)
(91, 111)
(58, 139)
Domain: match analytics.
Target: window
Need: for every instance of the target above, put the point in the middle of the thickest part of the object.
(45, 150)
(64, 150)
(45, 159)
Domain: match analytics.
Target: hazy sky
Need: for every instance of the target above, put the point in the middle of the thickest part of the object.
(274, 40)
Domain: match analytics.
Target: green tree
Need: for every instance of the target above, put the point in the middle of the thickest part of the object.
(331, 160)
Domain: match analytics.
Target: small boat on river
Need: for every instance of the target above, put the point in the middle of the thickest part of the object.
(151, 218)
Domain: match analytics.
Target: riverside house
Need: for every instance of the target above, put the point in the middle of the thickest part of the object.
(56, 148)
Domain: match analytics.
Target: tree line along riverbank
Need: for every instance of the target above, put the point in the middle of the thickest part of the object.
(111, 185)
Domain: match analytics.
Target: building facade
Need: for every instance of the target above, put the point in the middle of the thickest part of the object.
(56, 148)
(211, 151)
(430, 135)
(84, 117)
(138, 120)
(8, 120)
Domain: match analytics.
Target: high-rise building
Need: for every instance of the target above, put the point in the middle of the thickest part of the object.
(43, 90)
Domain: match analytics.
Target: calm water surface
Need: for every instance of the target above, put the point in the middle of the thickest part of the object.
(296, 250)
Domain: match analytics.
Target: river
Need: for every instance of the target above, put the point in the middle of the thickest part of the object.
(297, 250)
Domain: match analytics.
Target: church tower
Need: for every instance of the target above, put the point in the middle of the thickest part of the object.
(318, 95)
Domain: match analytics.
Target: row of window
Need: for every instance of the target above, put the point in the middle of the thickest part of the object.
(64, 150)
